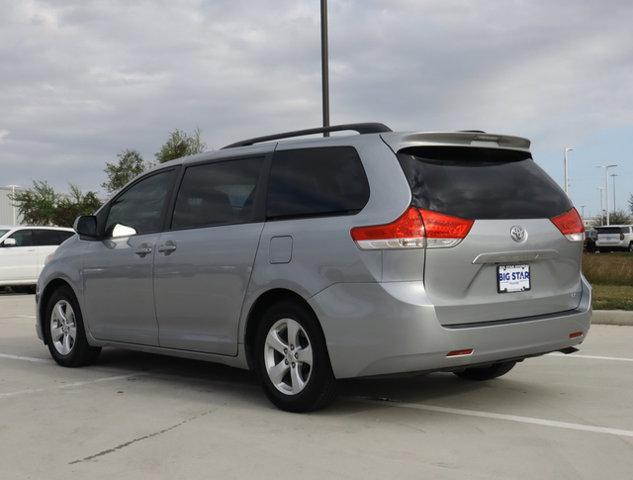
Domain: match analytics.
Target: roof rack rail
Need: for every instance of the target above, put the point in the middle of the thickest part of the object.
(361, 128)
(471, 131)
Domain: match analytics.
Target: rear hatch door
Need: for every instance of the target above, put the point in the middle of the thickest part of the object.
(514, 262)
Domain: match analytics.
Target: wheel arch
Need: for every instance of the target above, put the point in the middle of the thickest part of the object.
(49, 289)
(259, 306)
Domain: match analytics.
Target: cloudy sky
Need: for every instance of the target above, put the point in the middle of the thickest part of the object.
(82, 80)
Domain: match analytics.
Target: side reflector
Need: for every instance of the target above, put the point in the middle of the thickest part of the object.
(570, 224)
(460, 353)
(575, 334)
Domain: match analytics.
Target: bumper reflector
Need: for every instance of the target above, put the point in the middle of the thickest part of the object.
(460, 353)
(575, 334)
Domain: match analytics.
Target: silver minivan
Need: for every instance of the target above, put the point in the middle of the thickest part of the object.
(315, 259)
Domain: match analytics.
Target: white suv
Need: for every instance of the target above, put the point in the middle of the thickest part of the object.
(614, 237)
(23, 251)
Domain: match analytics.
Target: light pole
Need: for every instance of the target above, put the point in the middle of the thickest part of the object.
(606, 185)
(613, 175)
(325, 80)
(582, 211)
(567, 149)
(600, 190)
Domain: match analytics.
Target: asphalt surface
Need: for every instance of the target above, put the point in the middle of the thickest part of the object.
(136, 415)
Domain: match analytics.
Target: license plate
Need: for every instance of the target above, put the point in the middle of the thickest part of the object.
(513, 278)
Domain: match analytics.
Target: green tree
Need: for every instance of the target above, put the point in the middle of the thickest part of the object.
(631, 203)
(37, 205)
(619, 217)
(180, 144)
(76, 203)
(129, 165)
(42, 205)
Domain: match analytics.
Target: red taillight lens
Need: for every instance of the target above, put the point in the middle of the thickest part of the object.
(439, 225)
(570, 224)
(415, 228)
(405, 232)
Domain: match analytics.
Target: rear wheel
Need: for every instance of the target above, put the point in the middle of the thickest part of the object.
(65, 333)
(292, 360)
(631, 247)
(486, 373)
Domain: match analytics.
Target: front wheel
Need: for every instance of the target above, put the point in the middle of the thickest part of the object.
(65, 333)
(486, 373)
(292, 360)
(631, 247)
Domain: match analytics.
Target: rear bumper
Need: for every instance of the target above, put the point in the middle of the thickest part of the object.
(388, 328)
(624, 244)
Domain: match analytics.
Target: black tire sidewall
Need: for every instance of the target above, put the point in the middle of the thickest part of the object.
(82, 353)
(321, 378)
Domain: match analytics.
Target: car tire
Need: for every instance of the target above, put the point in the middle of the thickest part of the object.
(291, 359)
(486, 373)
(630, 249)
(64, 330)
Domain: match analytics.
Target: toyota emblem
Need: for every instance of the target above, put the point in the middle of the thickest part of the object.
(518, 233)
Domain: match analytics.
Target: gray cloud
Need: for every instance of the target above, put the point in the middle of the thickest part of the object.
(80, 81)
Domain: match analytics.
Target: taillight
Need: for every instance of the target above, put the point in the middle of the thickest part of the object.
(570, 224)
(415, 228)
(405, 232)
(444, 230)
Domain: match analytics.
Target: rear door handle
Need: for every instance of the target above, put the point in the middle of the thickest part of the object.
(143, 250)
(168, 247)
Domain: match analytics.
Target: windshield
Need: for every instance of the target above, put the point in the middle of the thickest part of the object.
(2, 232)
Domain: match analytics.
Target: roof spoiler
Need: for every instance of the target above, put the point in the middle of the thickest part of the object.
(398, 141)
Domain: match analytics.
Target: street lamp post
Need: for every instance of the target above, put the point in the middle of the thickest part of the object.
(606, 185)
(582, 211)
(325, 80)
(600, 190)
(566, 170)
(613, 175)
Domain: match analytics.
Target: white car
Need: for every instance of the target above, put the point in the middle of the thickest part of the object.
(23, 251)
(614, 237)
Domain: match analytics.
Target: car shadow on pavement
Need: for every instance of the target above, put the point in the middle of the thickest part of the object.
(437, 388)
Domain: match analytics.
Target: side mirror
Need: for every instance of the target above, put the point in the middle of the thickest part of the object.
(9, 242)
(86, 226)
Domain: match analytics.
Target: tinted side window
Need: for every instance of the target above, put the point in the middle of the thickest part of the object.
(48, 237)
(141, 206)
(23, 238)
(316, 181)
(220, 193)
(481, 183)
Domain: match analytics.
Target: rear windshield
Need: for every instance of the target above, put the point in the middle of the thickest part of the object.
(481, 183)
(613, 230)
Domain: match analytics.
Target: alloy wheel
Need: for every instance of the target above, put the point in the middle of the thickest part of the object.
(288, 356)
(63, 327)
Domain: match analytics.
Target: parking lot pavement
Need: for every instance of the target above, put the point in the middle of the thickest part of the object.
(137, 415)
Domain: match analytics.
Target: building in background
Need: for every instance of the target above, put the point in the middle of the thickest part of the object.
(8, 213)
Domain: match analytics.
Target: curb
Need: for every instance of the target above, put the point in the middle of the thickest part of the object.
(612, 317)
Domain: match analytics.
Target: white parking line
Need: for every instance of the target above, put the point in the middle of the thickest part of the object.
(500, 416)
(73, 385)
(592, 357)
(26, 359)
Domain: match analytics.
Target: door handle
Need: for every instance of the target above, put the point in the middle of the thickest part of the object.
(143, 250)
(168, 247)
